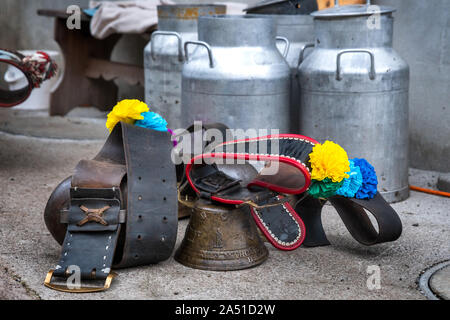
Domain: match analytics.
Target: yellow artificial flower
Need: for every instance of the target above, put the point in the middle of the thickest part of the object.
(329, 160)
(128, 110)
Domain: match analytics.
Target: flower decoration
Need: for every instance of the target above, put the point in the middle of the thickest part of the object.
(153, 121)
(324, 189)
(329, 160)
(351, 184)
(128, 110)
(368, 188)
(136, 112)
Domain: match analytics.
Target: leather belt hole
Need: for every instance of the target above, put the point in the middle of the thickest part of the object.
(140, 216)
(139, 237)
(163, 180)
(165, 219)
(140, 178)
(164, 198)
(136, 256)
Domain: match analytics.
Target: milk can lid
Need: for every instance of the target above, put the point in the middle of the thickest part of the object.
(352, 11)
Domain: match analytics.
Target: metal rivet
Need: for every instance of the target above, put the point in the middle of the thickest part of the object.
(139, 198)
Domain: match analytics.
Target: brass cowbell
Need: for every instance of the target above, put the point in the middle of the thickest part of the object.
(221, 238)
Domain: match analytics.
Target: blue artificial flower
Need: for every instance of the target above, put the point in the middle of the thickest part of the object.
(153, 121)
(368, 188)
(351, 184)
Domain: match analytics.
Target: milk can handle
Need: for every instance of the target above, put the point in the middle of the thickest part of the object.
(203, 44)
(302, 53)
(286, 47)
(167, 33)
(372, 63)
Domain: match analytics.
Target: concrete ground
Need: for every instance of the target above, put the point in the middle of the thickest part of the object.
(30, 168)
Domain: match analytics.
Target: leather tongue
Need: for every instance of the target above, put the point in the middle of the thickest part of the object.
(280, 224)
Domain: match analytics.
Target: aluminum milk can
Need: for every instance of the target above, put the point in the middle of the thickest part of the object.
(299, 30)
(164, 57)
(236, 75)
(354, 91)
(294, 22)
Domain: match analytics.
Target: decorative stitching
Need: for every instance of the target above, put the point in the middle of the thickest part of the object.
(286, 244)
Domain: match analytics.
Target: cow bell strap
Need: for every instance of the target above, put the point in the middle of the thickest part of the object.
(36, 68)
(10, 98)
(196, 132)
(288, 172)
(116, 218)
(353, 213)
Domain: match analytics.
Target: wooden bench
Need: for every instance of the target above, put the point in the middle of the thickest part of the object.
(89, 72)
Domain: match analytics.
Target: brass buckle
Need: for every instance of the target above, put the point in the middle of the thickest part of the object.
(58, 287)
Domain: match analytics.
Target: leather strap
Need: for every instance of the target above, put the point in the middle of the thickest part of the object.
(152, 214)
(187, 196)
(275, 217)
(120, 179)
(196, 132)
(353, 213)
(91, 246)
(10, 98)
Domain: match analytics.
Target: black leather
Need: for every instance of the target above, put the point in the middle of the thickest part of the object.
(90, 247)
(10, 98)
(152, 214)
(280, 224)
(310, 209)
(353, 213)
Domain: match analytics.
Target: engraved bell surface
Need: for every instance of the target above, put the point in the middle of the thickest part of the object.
(221, 238)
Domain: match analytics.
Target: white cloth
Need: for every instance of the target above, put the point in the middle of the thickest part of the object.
(134, 16)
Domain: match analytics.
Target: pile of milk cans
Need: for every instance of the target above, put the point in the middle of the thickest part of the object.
(331, 75)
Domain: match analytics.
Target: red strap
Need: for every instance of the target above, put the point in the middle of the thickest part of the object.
(286, 158)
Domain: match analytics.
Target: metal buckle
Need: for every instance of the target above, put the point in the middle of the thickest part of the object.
(48, 284)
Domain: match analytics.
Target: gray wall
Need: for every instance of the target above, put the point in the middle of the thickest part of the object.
(422, 38)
